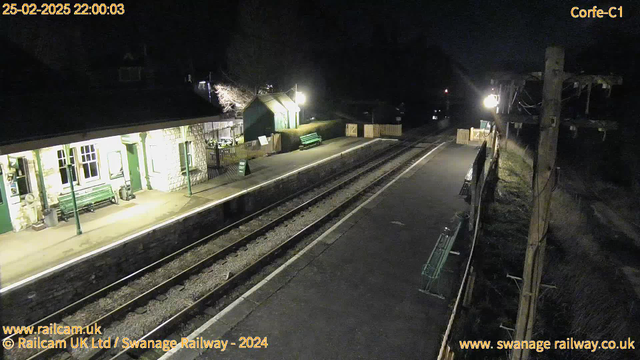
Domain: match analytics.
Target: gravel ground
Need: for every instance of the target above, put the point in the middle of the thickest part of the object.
(138, 323)
(142, 320)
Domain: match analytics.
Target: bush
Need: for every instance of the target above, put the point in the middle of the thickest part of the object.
(326, 129)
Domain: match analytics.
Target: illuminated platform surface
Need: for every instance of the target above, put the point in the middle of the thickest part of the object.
(30, 252)
(354, 294)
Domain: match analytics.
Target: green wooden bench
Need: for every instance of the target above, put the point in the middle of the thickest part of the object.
(310, 140)
(86, 199)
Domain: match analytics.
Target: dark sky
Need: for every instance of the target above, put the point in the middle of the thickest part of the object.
(482, 33)
(478, 34)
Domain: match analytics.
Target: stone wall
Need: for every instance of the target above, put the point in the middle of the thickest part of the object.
(168, 178)
(33, 300)
(164, 153)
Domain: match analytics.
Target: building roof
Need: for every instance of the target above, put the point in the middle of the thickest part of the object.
(277, 102)
(31, 118)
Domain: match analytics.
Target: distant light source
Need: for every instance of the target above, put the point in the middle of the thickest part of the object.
(300, 98)
(491, 101)
(446, 91)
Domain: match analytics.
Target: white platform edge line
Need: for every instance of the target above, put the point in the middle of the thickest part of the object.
(172, 220)
(243, 297)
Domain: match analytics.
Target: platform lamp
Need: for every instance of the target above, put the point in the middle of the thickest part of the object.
(184, 129)
(300, 99)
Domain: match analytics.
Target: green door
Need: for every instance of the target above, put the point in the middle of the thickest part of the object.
(5, 218)
(134, 167)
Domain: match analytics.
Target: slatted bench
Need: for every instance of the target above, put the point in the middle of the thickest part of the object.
(310, 140)
(86, 199)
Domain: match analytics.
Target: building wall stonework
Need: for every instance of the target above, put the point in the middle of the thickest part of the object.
(163, 147)
(163, 156)
(25, 213)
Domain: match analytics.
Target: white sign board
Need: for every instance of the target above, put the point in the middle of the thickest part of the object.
(263, 140)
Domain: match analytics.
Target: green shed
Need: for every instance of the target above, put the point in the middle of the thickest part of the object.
(269, 113)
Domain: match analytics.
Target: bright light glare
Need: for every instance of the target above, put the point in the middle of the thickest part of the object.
(491, 101)
(300, 98)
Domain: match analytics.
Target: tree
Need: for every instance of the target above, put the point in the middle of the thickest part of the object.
(265, 46)
(232, 98)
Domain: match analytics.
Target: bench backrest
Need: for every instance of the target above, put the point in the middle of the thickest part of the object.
(309, 137)
(88, 195)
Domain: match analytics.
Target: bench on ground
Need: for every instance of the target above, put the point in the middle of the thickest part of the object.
(310, 140)
(87, 199)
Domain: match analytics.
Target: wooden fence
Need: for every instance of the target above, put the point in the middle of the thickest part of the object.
(377, 130)
(390, 130)
(462, 137)
(371, 130)
(351, 130)
(483, 181)
(232, 155)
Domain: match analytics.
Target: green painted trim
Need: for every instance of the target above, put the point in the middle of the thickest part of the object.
(73, 192)
(43, 190)
(143, 140)
(186, 161)
(5, 214)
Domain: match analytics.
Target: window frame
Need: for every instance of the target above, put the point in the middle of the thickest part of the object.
(119, 174)
(22, 160)
(92, 157)
(74, 163)
(129, 71)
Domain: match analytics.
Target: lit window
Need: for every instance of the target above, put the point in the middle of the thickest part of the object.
(89, 159)
(114, 159)
(182, 162)
(62, 166)
(128, 74)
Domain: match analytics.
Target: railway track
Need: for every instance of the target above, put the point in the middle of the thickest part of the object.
(150, 302)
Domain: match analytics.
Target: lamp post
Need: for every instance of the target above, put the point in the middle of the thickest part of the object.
(73, 192)
(184, 129)
(446, 95)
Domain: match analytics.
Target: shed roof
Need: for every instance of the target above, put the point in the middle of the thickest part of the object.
(277, 102)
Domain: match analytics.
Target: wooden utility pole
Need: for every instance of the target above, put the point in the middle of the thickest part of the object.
(542, 187)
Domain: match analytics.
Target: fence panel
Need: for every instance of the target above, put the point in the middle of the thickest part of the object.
(371, 130)
(351, 130)
(390, 130)
(231, 155)
(462, 137)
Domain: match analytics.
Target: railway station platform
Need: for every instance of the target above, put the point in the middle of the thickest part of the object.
(29, 253)
(353, 292)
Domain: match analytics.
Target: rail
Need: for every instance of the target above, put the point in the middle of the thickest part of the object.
(236, 279)
(380, 158)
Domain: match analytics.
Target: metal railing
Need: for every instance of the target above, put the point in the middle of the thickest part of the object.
(482, 169)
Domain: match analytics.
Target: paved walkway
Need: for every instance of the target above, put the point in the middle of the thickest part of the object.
(29, 252)
(354, 293)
